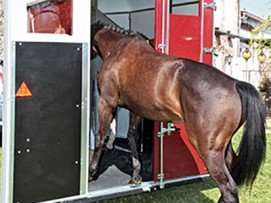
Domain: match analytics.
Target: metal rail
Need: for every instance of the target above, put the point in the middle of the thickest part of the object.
(126, 190)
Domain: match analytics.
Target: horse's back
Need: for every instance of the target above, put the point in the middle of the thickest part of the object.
(146, 81)
(207, 84)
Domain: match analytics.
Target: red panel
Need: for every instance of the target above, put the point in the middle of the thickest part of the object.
(192, 158)
(65, 15)
(161, 15)
(184, 38)
(158, 23)
(180, 157)
(208, 33)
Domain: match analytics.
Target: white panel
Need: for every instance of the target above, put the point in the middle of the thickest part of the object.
(143, 22)
(226, 15)
(141, 4)
(218, 13)
(124, 5)
(123, 118)
(140, 21)
(113, 6)
(192, 9)
(182, 1)
(122, 20)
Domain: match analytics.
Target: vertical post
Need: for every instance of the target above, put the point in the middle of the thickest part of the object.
(94, 7)
(162, 44)
(162, 25)
(8, 110)
(201, 14)
(206, 9)
(161, 175)
(85, 118)
(130, 20)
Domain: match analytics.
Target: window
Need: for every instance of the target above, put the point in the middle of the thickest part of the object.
(52, 16)
(185, 7)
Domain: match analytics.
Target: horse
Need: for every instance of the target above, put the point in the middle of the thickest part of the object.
(134, 120)
(159, 87)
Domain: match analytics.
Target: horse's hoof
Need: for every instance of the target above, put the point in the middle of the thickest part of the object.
(92, 172)
(137, 180)
(109, 146)
(90, 178)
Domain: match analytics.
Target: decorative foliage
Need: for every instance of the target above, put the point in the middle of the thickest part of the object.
(258, 41)
(263, 46)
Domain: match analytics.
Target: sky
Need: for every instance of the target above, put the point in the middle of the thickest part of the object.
(259, 7)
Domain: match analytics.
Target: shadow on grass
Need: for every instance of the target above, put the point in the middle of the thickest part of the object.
(192, 192)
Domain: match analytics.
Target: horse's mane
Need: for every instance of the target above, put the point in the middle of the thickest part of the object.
(95, 27)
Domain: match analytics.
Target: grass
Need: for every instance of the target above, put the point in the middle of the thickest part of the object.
(206, 192)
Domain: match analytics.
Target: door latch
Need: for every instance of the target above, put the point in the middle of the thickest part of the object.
(211, 50)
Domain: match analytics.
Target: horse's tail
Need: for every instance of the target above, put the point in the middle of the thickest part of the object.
(251, 152)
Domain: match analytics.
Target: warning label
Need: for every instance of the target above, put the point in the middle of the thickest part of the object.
(23, 91)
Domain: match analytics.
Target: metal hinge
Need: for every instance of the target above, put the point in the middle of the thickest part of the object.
(210, 5)
(211, 50)
(160, 176)
(169, 129)
(162, 46)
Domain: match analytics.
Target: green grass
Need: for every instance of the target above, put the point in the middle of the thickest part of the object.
(206, 192)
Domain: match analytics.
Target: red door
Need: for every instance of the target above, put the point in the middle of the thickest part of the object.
(183, 31)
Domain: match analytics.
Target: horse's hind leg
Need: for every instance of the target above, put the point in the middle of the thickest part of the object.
(218, 170)
(212, 146)
(105, 117)
(112, 135)
(133, 138)
(230, 156)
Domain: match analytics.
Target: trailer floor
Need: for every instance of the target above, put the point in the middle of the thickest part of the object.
(112, 177)
(115, 168)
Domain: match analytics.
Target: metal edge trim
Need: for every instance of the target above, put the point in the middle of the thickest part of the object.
(125, 190)
(84, 155)
(202, 15)
(9, 124)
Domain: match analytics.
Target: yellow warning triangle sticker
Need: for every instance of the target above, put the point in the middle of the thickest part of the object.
(23, 91)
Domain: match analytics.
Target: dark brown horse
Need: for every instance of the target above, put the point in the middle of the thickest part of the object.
(163, 88)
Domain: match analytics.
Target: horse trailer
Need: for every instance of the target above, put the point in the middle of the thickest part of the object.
(50, 99)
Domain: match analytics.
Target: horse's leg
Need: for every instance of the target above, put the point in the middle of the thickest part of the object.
(105, 117)
(230, 156)
(133, 138)
(212, 143)
(112, 135)
(218, 170)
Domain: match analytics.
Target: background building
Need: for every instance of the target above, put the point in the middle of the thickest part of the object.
(234, 52)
